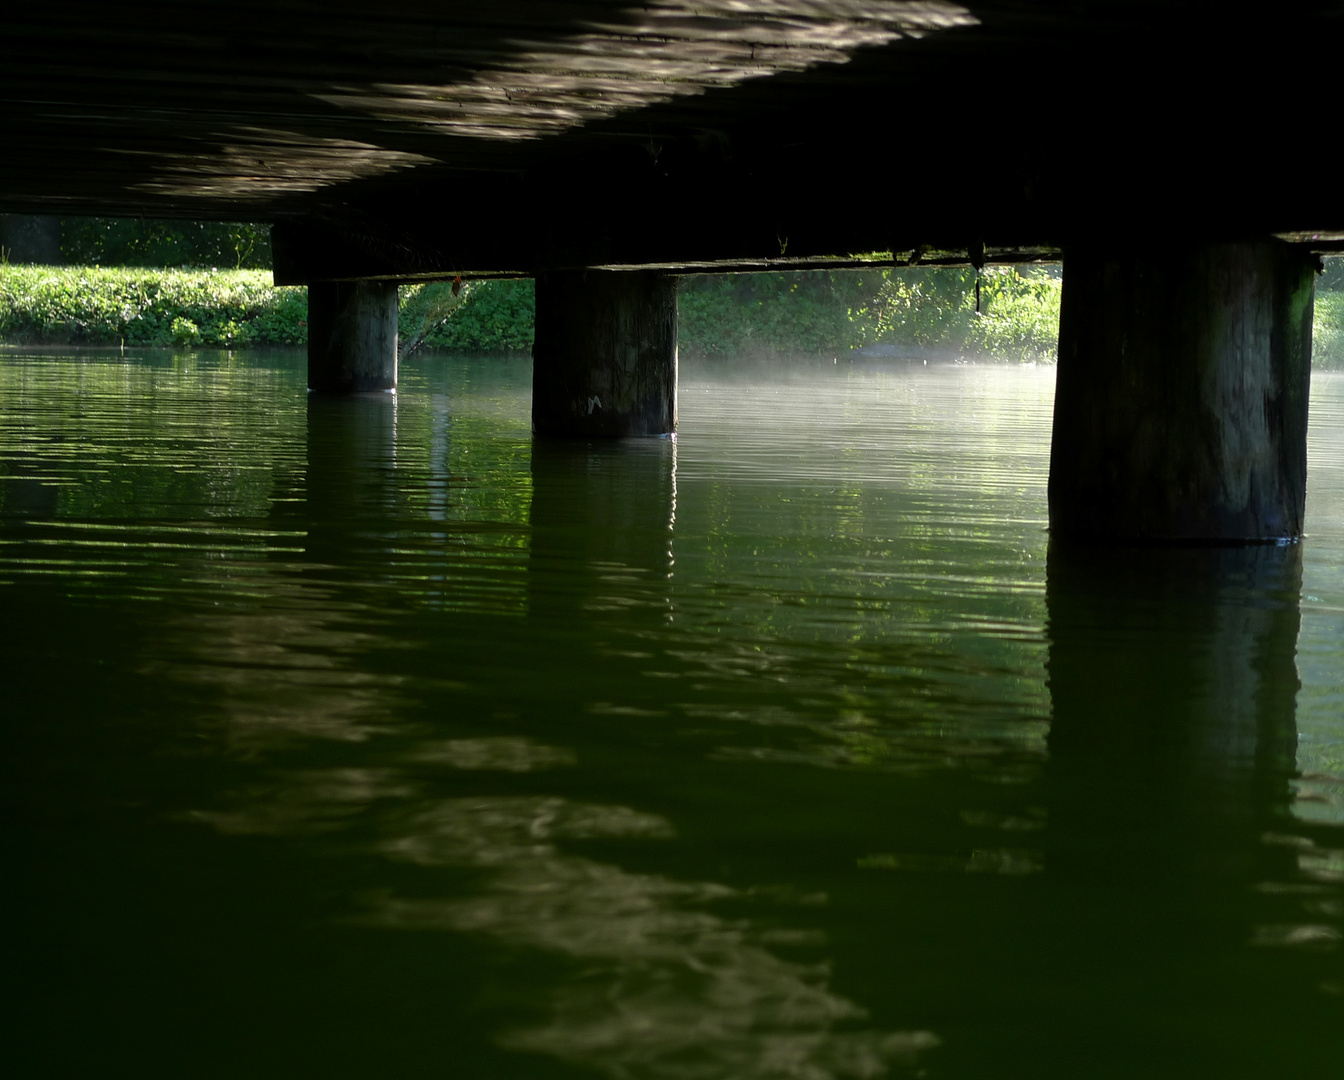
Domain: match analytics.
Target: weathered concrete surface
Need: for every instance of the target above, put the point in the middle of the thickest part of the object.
(605, 354)
(1181, 400)
(352, 336)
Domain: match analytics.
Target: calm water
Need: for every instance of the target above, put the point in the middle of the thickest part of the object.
(367, 738)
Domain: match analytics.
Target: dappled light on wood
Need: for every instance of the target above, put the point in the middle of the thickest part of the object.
(642, 56)
(257, 165)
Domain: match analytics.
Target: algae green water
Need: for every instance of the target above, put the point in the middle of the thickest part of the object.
(370, 738)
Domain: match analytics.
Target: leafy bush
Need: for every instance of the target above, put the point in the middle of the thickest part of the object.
(933, 306)
(185, 332)
(809, 312)
(230, 308)
(829, 311)
(1327, 339)
(150, 242)
(494, 316)
(1019, 317)
(1332, 274)
(816, 312)
(92, 305)
(423, 308)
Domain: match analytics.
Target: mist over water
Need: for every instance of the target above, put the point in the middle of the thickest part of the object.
(368, 737)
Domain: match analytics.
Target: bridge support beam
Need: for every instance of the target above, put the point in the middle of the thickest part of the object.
(605, 354)
(352, 336)
(1181, 395)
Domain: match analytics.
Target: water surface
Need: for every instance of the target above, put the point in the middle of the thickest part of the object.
(369, 738)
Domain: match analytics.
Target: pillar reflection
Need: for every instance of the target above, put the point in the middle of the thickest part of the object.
(1173, 682)
(1171, 857)
(602, 525)
(352, 453)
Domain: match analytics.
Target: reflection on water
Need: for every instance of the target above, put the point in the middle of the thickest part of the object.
(404, 745)
(1172, 750)
(667, 988)
(1172, 676)
(603, 518)
(458, 538)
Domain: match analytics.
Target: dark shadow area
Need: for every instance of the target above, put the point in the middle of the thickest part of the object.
(592, 547)
(352, 449)
(1173, 684)
(26, 238)
(1171, 853)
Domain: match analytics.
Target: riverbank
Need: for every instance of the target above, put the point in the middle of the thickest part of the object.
(882, 312)
(108, 306)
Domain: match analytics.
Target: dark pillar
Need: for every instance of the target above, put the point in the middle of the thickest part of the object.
(605, 354)
(1181, 400)
(352, 336)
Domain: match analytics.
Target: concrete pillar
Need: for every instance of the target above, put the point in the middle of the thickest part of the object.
(1181, 396)
(605, 354)
(352, 336)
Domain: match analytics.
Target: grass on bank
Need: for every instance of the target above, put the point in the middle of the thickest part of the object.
(818, 312)
(230, 309)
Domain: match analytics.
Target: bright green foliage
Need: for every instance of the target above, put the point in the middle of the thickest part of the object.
(149, 242)
(833, 311)
(813, 312)
(234, 308)
(494, 316)
(185, 332)
(1327, 338)
(817, 313)
(1332, 274)
(933, 306)
(1019, 317)
(422, 309)
(91, 305)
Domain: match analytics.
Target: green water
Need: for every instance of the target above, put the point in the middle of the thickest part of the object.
(367, 738)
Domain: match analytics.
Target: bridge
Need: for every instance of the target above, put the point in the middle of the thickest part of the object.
(605, 146)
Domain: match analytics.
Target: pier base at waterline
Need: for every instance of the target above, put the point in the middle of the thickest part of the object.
(352, 336)
(605, 354)
(1181, 400)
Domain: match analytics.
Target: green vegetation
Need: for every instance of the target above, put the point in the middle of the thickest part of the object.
(814, 313)
(235, 308)
(489, 316)
(150, 242)
(828, 312)
(98, 306)
(1327, 335)
(764, 313)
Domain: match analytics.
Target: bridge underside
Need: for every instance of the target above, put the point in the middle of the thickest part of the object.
(578, 137)
(519, 135)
